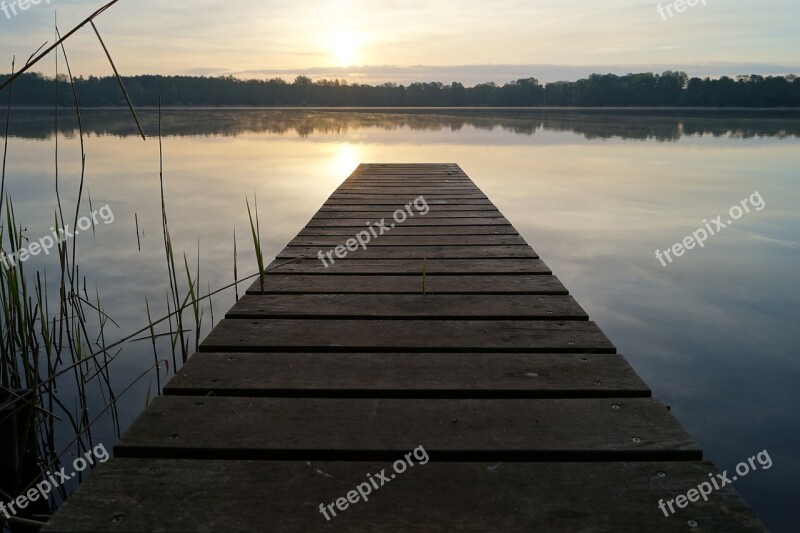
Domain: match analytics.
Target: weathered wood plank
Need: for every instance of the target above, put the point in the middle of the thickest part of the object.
(404, 187)
(456, 174)
(403, 231)
(404, 198)
(412, 179)
(410, 182)
(408, 306)
(379, 193)
(416, 221)
(431, 175)
(314, 429)
(408, 375)
(423, 171)
(437, 179)
(400, 201)
(357, 208)
(373, 214)
(413, 240)
(427, 167)
(389, 284)
(369, 168)
(411, 267)
(406, 175)
(407, 335)
(420, 252)
(410, 192)
(433, 497)
(410, 174)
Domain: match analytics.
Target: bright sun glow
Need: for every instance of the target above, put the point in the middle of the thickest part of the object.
(345, 160)
(344, 47)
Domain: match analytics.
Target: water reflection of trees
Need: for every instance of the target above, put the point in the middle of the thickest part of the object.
(660, 125)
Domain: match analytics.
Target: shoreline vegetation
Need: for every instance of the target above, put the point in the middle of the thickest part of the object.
(58, 392)
(670, 89)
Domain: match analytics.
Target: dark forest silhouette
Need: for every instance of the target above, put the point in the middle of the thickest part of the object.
(646, 89)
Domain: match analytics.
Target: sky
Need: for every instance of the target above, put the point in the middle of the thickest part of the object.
(378, 41)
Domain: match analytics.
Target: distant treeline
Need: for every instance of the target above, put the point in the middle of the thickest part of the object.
(667, 89)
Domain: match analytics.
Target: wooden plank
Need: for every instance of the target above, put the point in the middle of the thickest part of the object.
(411, 174)
(400, 201)
(441, 174)
(527, 336)
(412, 240)
(404, 170)
(404, 199)
(408, 196)
(390, 284)
(373, 213)
(408, 306)
(416, 221)
(419, 252)
(410, 191)
(404, 187)
(430, 174)
(315, 429)
(411, 182)
(402, 231)
(415, 180)
(371, 168)
(422, 171)
(408, 375)
(411, 178)
(423, 168)
(367, 168)
(425, 172)
(601, 497)
(358, 208)
(433, 267)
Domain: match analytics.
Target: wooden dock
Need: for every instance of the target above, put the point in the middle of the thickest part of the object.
(530, 419)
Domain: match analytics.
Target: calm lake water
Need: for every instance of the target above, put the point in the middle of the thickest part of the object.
(715, 334)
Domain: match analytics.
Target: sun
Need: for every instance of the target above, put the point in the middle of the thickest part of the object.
(344, 48)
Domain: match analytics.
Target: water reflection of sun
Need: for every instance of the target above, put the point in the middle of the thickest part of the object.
(345, 161)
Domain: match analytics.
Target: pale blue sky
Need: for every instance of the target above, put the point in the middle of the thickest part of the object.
(395, 40)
